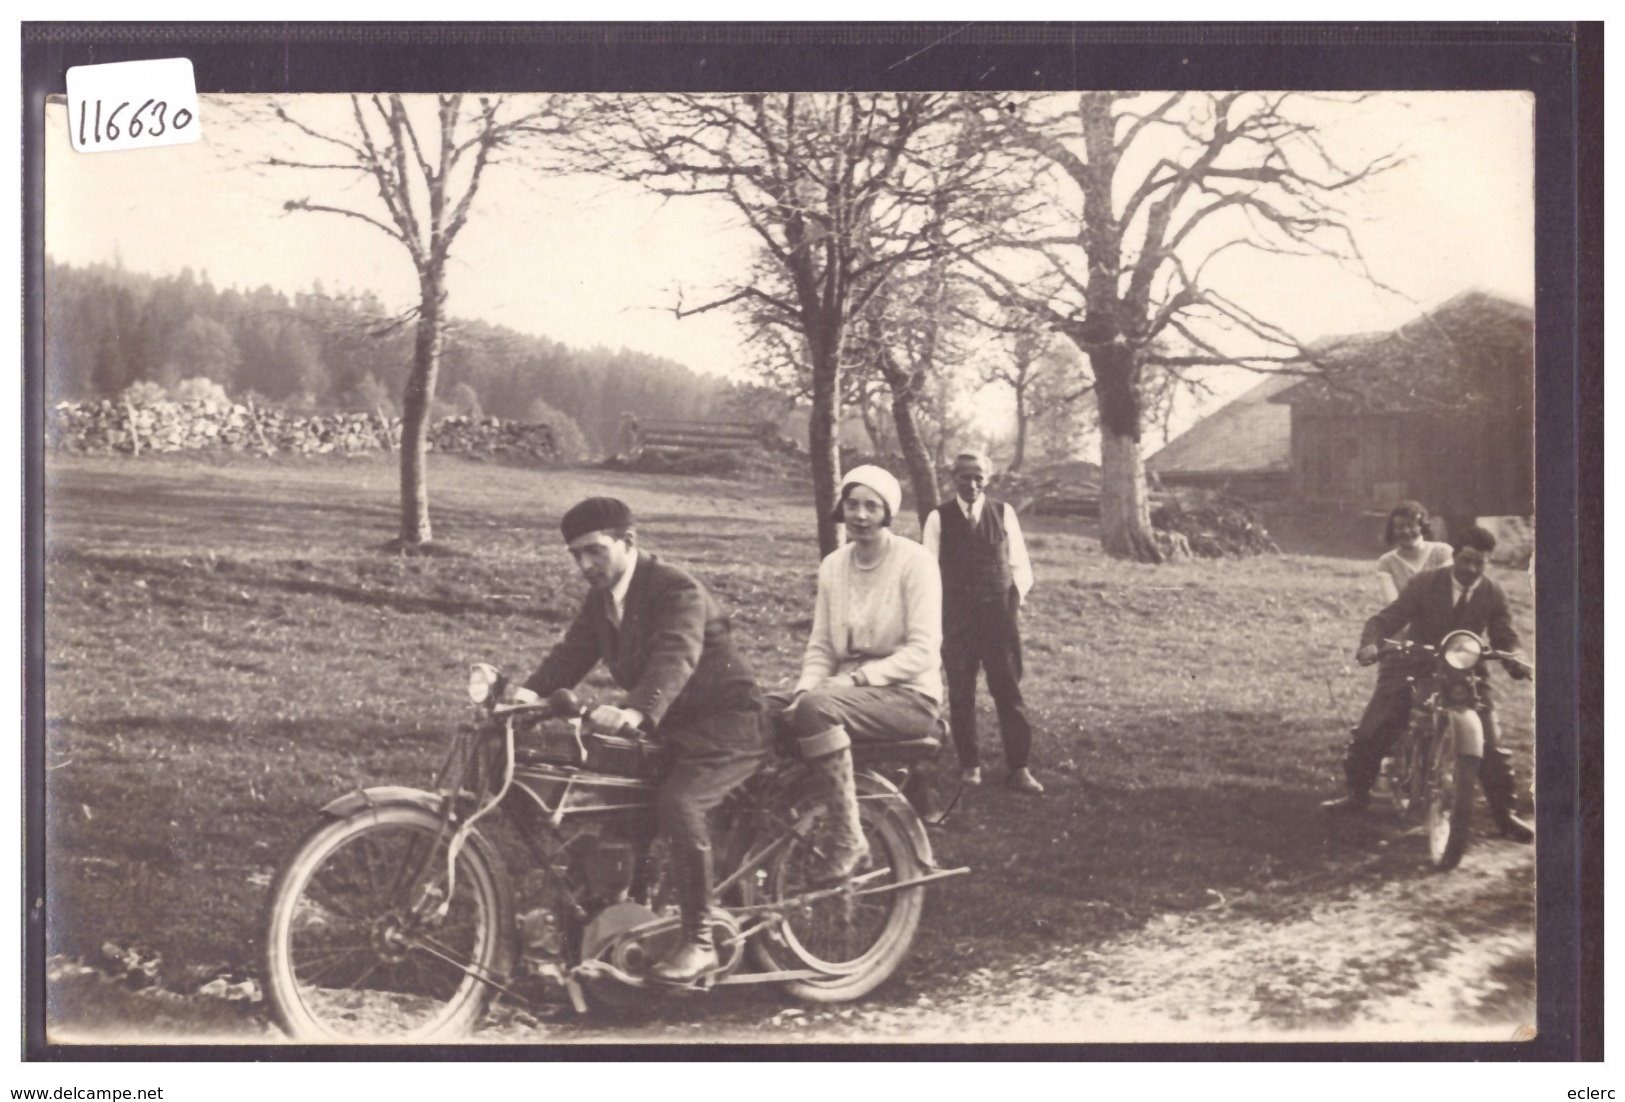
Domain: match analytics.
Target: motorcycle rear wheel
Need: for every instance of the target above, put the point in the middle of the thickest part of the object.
(345, 957)
(859, 937)
(1450, 804)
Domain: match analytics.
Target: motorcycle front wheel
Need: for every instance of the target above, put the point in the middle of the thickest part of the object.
(858, 938)
(358, 947)
(1450, 803)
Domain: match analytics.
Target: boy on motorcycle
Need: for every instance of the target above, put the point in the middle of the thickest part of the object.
(667, 642)
(1435, 602)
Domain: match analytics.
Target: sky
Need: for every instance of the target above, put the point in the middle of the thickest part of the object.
(589, 263)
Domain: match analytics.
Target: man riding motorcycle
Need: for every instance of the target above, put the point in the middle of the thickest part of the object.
(668, 643)
(1458, 597)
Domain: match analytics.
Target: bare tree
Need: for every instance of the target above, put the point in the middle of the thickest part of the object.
(826, 181)
(916, 330)
(1150, 190)
(1028, 361)
(427, 166)
(912, 336)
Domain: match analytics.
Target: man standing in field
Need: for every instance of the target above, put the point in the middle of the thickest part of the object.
(1435, 602)
(666, 642)
(986, 575)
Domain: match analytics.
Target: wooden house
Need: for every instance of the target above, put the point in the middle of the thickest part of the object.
(1242, 448)
(1440, 410)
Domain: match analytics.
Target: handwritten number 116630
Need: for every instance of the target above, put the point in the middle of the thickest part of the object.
(149, 118)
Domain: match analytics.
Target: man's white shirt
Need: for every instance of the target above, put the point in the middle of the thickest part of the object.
(1459, 592)
(617, 592)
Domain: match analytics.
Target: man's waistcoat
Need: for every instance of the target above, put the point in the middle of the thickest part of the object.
(975, 561)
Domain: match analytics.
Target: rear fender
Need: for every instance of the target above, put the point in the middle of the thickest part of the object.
(877, 789)
(382, 796)
(1467, 732)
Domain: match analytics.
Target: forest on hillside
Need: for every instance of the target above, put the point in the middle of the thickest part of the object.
(108, 329)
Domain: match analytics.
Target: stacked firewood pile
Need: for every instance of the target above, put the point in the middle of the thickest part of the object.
(1214, 527)
(109, 426)
(1050, 496)
(1065, 489)
(489, 436)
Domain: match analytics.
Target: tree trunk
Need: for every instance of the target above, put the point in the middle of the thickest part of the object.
(1021, 429)
(1125, 513)
(415, 529)
(874, 425)
(920, 471)
(822, 445)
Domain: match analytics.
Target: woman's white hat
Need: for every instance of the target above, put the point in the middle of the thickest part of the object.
(878, 479)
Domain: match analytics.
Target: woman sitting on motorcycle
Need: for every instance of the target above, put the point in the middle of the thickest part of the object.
(872, 668)
(1411, 549)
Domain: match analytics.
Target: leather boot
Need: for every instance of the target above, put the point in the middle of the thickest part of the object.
(1499, 784)
(1514, 828)
(696, 955)
(842, 842)
(1355, 801)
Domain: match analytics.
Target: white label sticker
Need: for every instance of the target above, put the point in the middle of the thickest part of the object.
(132, 104)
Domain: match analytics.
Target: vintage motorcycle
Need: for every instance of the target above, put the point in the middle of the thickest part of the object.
(1432, 771)
(396, 918)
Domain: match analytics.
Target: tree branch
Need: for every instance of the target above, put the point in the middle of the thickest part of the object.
(307, 205)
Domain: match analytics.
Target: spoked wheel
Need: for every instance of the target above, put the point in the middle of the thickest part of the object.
(858, 935)
(1450, 804)
(356, 947)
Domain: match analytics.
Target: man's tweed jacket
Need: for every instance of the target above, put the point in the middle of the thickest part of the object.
(673, 653)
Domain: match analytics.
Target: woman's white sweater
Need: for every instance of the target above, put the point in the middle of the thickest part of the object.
(885, 620)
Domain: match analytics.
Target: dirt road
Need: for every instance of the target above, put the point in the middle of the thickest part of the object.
(1395, 953)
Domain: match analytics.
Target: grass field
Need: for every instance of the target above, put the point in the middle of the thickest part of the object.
(228, 648)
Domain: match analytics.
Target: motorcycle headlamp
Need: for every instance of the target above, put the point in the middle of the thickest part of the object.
(1462, 649)
(481, 680)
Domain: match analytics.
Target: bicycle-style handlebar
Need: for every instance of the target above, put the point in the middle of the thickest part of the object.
(565, 704)
(1407, 646)
(561, 704)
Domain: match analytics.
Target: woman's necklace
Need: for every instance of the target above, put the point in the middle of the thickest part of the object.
(879, 556)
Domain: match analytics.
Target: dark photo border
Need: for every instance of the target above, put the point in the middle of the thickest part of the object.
(1561, 63)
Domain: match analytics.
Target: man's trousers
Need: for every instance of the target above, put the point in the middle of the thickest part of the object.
(986, 639)
(710, 756)
(1385, 718)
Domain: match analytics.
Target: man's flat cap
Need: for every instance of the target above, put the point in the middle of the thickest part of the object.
(596, 514)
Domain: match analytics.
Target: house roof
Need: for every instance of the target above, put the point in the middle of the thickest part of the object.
(1248, 434)
(1477, 347)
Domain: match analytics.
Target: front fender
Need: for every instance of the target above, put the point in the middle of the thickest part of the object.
(1467, 732)
(387, 795)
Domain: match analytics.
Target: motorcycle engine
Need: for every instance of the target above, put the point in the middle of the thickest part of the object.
(602, 868)
(589, 873)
